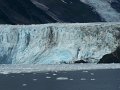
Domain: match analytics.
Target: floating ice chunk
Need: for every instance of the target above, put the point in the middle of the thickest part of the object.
(48, 77)
(62, 78)
(83, 79)
(91, 73)
(71, 79)
(54, 74)
(92, 79)
(34, 79)
(4, 72)
(24, 84)
(85, 71)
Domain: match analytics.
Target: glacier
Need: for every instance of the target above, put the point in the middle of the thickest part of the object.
(57, 43)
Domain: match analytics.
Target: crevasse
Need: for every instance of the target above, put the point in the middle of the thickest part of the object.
(57, 43)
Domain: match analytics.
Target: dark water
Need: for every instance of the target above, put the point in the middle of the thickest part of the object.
(75, 80)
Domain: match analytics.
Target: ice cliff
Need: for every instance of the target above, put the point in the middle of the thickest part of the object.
(57, 43)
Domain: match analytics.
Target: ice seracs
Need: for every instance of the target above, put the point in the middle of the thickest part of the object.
(57, 43)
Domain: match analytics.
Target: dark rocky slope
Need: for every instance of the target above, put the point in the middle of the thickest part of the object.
(46, 11)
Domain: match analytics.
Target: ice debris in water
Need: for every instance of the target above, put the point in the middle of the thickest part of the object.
(83, 79)
(71, 79)
(24, 84)
(85, 71)
(91, 73)
(92, 79)
(48, 77)
(54, 74)
(34, 79)
(62, 78)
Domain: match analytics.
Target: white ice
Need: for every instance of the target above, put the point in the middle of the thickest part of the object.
(6, 69)
(62, 78)
(57, 43)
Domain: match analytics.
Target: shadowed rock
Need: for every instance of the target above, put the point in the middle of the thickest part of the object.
(80, 61)
(111, 58)
(46, 11)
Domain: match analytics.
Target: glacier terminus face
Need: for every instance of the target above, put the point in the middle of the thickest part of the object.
(57, 43)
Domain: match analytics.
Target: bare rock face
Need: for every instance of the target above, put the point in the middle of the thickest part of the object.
(80, 61)
(52, 11)
(113, 57)
(56, 43)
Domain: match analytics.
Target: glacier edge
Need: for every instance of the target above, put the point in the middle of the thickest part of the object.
(57, 43)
